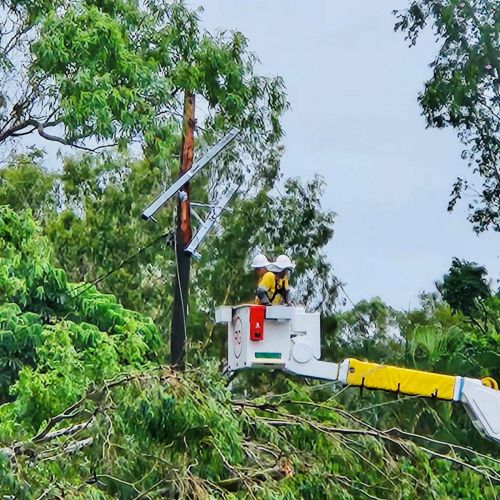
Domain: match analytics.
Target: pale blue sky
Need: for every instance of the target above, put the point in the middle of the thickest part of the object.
(352, 84)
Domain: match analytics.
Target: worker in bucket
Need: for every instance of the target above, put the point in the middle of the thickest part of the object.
(265, 279)
(273, 287)
(281, 268)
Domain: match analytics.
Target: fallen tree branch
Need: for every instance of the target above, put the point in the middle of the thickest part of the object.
(67, 449)
(47, 434)
(26, 447)
(370, 431)
(276, 473)
(75, 408)
(67, 431)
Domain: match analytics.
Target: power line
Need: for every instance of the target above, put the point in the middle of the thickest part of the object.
(122, 264)
(106, 275)
(335, 279)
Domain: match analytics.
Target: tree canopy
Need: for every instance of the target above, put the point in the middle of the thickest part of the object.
(464, 91)
(90, 74)
(129, 90)
(465, 287)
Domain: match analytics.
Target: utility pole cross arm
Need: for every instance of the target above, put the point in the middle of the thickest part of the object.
(212, 217)
(151, 209)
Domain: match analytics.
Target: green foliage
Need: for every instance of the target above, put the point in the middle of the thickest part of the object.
(463, 91)
(135, 64)
(95, 227)
(370, 330)
(431, 338)
(24, 181)
(465, 287)
(87, 412)
(172, 435)
(85, 408)
(55, 335)
(112, 73)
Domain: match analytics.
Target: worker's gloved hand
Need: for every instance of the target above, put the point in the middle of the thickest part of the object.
(262, 296)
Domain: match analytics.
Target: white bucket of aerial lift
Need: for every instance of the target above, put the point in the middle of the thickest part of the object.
(290, 341)
(223, 315)
(290, 337)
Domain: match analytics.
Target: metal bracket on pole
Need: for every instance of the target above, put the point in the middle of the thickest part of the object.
(151, 209)
(212, 217)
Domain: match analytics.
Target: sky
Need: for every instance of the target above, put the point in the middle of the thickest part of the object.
(352, 84)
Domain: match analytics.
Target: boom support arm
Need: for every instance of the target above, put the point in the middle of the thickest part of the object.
(481, 400)
(286, 338)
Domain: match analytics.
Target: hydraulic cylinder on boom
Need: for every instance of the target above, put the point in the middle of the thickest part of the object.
(289, 339)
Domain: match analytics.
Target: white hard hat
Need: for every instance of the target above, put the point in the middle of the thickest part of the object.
(283, 262)
(260, 260)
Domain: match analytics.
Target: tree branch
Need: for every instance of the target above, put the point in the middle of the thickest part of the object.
(40, 127)
(16, 128)
(26, 447)
(291, 419)
(41, 131)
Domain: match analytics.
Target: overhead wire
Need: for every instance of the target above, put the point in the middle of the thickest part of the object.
(86, 286)
(363, 321)
(122, 264)
(130, 259)
(385, 403)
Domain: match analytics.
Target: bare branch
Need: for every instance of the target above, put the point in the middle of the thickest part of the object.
(17, 131)
(21, 134)
(67, 431)
(41, 131)
(17, 128)
(11, 44)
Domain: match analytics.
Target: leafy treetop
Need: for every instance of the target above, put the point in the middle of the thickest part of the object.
(91, 74)
(464, 90)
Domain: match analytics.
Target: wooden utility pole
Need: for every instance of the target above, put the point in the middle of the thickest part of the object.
(183, 237)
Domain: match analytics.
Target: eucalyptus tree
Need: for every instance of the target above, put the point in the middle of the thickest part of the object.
(464, 92)
(91, 74)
